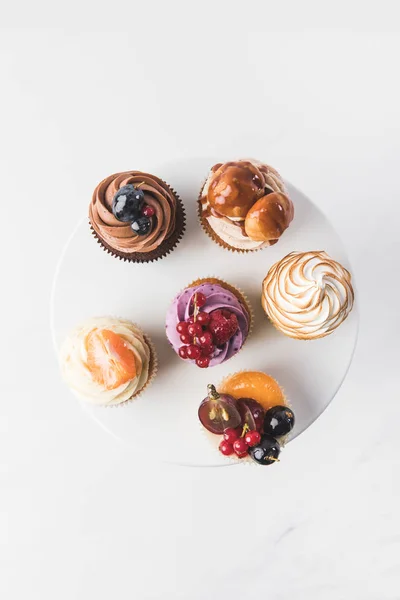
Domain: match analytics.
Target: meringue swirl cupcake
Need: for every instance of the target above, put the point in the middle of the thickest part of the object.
(208, 322)
(107, 361)
(307, 295)
(244, 205)
(136, 216)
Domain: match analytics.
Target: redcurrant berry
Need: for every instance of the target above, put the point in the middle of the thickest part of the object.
(203, 362)
(148, 211)
(182, 327)
(203, 318)
(240, 447)
(230, 435)
(186, 338)
(193, 352)
(183, 351)
(252, 438)
(207, 350)
(190, 319)
(226, 448)
(206, 338)
(199, 299)
(195, 329)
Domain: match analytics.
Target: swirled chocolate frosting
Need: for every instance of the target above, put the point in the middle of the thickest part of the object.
(120, 236)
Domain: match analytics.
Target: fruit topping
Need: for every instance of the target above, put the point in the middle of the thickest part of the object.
(185, 338)
(207, 350)
(267, 451)
(203, 362)
(195, 329)
(218, 412)
(269, 217)
(183, 352)
(141, 226)
(279, 420)
(234, 188)
(226, 448)
(109, 359)
(231, 435)
(251, 412)
(254, 384)
(205, 339)
(252, 438)
(223, 325)
(127, 203)
(199, 299)
(148, 211)
(240, 447)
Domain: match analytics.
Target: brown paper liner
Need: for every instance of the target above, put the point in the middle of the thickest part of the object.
(165, 248)
(215, 439)
(211, 233)
(153, 367)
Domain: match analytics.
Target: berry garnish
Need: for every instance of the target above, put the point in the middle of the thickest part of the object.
(190, 319)
(279, 420)
(183, 352)
(206, 338)
(207, 350)
(203, 318)
(222, 327)
(127, 203)
(203, 361)
(251, 412)
(199, 299)
(252, 438)
(193, 352)
(226, 448)
(195, 329)
(141, 226)
(218, 412)
(231, 435)
(148, 211)
(240, 447)
(182, 327)
(185, 338)
(267, 451)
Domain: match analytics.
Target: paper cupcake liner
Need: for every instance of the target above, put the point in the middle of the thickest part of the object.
(239, 294)
(211, 233)
(153, 368)
(216, 439)
(162, 251)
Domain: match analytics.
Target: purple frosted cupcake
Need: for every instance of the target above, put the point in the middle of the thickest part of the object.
(208, 322)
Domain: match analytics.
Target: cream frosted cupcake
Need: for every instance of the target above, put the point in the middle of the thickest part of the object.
(244, 205)
(307, 295)
(107, 361)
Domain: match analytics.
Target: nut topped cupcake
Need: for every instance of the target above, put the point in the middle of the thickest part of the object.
(107, 361)
(136, 216)
(244, 205)
(307, 295)
(208, 322)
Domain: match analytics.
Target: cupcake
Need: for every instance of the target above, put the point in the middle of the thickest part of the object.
(107, 361)
(248, 417)
(244, 205)
(307, 295)
(208, 322)
(136, 216)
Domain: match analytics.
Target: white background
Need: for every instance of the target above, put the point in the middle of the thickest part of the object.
(90, 89)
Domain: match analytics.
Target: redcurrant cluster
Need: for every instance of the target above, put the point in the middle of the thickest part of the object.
(197, 340)
(239, 441)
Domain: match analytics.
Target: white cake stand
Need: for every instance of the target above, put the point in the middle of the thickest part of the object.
(89, 282)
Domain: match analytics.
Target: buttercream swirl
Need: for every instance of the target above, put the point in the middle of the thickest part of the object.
(231, 229)
(120, 236)
(78, 376)
(217, 297)
(307, 295)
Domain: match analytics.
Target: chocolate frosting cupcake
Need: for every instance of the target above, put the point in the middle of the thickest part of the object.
(118, 237)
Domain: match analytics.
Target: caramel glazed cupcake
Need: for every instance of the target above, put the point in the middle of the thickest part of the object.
(136, 216)
(244, 205)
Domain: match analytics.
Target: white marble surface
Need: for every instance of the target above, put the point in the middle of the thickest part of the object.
(87, 91)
